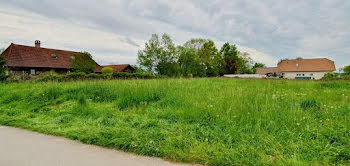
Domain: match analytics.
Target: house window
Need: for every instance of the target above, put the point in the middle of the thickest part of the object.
(303, 74)
(311, 74)
(32, 71)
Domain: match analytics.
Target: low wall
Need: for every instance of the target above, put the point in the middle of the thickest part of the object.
(244, 76)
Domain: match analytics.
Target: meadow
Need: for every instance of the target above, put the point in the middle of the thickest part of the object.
(209, 121)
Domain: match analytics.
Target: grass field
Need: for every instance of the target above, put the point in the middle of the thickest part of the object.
(208, 121)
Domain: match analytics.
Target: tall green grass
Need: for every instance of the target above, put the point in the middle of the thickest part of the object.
(208, 121)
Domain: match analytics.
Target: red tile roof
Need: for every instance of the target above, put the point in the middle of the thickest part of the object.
(27, 56)
(321, 64)
(120, 68)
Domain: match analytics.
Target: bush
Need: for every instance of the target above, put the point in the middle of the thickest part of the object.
(49, 76)
(329, 75)
(52, 76)
(3, 75)
(107, 70)
(76, 76)
(94, 76)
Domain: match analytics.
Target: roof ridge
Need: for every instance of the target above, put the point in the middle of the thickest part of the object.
(10, 49)
(304, 59)
(44, 48)
(116, 65)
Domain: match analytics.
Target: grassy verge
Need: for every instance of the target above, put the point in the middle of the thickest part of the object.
(206, 121)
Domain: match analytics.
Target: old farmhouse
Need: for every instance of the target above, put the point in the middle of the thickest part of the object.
(34, 60)
(121, 68)
(300, 69)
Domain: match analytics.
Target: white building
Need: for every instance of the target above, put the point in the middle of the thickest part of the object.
(301, 68)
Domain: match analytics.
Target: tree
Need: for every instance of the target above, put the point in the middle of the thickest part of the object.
(83, 62)
(245, 63)
(189, 62)
(159, 56)
(139, 69)
(346, 70)
(3, 75)
(107, 70)
(257, 65)
(210, 58)
(205, 57)
(230, 55)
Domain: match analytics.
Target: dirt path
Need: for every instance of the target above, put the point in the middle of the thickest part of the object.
(24, 148)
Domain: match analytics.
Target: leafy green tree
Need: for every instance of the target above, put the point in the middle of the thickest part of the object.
(139, 69)
(230, 55)
(205, 57)
(190, 63)
(210, 58)
(245, 63)
(159, 56)
(107, 70)
(257, 65)
(346, 70)
(83, 62)
(3, 75)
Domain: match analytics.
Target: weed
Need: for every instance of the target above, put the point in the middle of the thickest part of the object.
(209, 121)
(309, 104)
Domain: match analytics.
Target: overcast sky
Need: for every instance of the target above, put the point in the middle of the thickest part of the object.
(114, 30)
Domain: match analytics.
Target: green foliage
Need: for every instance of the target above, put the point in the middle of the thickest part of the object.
(190, 62)
(83, 62)
(3, 75)
(329, 76)
(257, 65)
(346, 70)
(49, 76)
(235, 62)
(196, 58)
(202, 121)
(159, 56)
(139, 69)
(199, 58)
(52, 76)
(107, 70)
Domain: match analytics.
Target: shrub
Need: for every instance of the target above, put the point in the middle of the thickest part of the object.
(3, 75)
(75, 76)
(107, 70)
(309, 104)
(94, 76)
(122, 75)
(328, 76)
(49, 76)
(347, 70)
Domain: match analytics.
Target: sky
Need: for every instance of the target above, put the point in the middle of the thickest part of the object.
(114, 30)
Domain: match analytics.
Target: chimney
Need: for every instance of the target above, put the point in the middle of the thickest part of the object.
(37, 43)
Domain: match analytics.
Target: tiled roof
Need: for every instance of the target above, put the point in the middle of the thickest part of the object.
(119, 68)
(27, 56)
(321, 64)
(265, 70)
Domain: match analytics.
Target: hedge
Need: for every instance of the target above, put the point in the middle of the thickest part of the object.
(93, 76)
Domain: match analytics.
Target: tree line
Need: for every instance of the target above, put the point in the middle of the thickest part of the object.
(195, 58)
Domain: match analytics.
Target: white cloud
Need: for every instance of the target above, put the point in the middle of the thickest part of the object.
(258, 56)
(115, 29)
